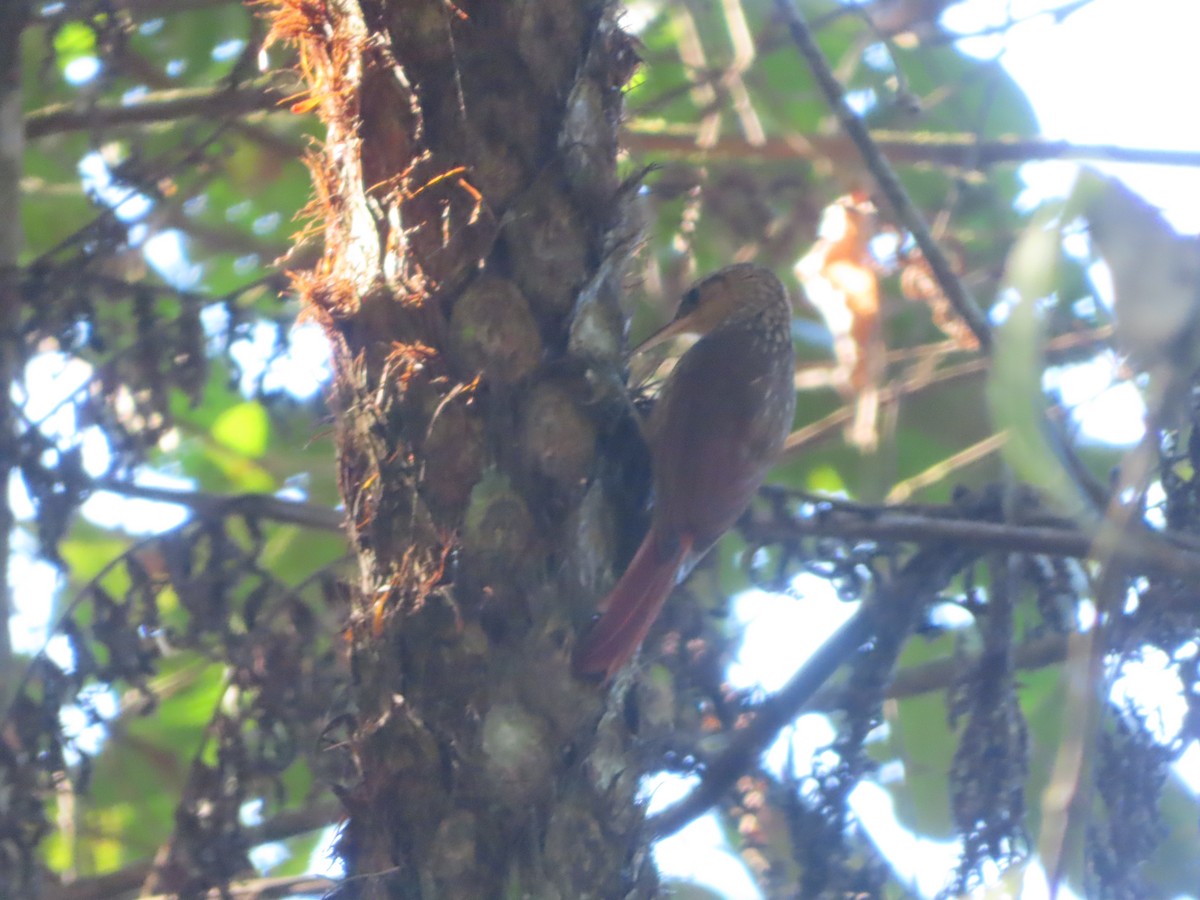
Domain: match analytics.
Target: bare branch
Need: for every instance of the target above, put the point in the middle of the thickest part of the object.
(961, 151)
(159, 106)
(217, 238)
(939, 674)
(1143, 548)
(1058, 13)
(285, 825)
(266, 888)
(888, 183)
(66, 12)
(1060, 348)
(897, 602)
(252, 506)
(773, 714)
(944, 468)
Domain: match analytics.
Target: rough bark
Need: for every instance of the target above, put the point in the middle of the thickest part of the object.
(475, 231)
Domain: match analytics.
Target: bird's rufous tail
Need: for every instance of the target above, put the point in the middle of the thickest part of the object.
(630, 608)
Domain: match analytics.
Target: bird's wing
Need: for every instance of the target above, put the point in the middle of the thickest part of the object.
(715, 432)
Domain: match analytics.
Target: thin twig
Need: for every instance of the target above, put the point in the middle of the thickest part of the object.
(285, 825)
(940, 674)
(159, 327)
(967, 152)
(57, 13)
(159, 106)
(267, 888)
(770, 716)
(944, 468)
(1058, 349)
(1058, 13)
(251, 506)
(896, 600)
(810, 434)
(299, 513)
(889, 184)
(1140, 547)
(1065, 799)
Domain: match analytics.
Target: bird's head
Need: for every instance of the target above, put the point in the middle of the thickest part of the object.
(744, 289)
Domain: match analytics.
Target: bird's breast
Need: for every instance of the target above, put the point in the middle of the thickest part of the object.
(722, 419)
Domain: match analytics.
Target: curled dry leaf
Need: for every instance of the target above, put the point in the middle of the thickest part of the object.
(840, 279)
(917, 283)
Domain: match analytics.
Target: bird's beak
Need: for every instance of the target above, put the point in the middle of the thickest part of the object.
(687, 324)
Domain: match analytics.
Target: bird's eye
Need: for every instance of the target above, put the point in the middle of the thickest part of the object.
(689, 302)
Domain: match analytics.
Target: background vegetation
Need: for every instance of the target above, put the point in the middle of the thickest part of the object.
(195, 685)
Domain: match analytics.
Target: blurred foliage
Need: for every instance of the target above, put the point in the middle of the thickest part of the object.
(200, 663)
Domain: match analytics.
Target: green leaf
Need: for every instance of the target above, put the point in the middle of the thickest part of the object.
(300, 851)
(924, 743)
(244, 428)
(826, 479)
(921, 739)
(73, 41)
(144, 764)
(1015, 384)
(1174, 869)
(295, 553)
(88, 549)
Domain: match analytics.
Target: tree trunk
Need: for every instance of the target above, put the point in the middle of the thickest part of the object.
(475, 236)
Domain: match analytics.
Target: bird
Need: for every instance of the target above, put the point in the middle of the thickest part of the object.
(719, 423)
